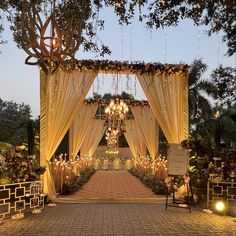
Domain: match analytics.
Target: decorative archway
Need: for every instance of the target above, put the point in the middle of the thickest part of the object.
(63, 92)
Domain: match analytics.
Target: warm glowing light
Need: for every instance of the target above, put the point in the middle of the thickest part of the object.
(220, 206)
(116, 109)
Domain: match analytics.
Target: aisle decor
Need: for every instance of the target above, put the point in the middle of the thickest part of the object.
(152, 172)
(70, 174)
(73, 185)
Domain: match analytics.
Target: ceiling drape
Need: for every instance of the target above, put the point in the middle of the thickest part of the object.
(79, 127)
(167, 95)
(61, 97)
(149, 127)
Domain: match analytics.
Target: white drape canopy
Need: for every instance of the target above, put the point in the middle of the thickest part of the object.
(131, 141)
(93, 137)
(61, 97)
(167, 95)
(147, 122)
(135, 138)
(79, 127)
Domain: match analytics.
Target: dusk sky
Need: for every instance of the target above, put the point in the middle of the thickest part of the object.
(20, 82)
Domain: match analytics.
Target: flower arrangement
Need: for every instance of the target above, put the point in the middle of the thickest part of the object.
(174, 182)
(135, 67)
(77, 182)
(19, 166)
(155, 183)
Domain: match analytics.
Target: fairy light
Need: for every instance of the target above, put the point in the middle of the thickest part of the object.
(122, 42)
(131, 42)
(217, 113)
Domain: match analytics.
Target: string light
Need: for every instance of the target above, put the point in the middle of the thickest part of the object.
(165, 42)
(131, 42)
(217, 113)
(122, 42)
(198, 42)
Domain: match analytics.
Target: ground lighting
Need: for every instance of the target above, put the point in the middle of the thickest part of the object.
(220, 206)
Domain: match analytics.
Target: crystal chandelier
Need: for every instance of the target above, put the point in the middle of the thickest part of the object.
(117, 109)
(112, 135)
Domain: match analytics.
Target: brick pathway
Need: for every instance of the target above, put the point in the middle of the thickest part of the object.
(119, 219)
(112, 186)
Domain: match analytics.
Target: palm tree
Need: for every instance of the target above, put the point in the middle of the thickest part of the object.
(200, 93)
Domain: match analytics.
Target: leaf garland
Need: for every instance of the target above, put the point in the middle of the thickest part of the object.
(107, 66)
(105, 102)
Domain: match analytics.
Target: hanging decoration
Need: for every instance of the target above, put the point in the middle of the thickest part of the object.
(117, 109)
(47, 44)
(106, 66)
(115, 114)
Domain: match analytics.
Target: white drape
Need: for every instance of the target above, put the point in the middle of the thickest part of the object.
(61, 97)
(93, 137)
(167, 95)
(135, 137)
(130, 140)
(79, 127)
(149, 127)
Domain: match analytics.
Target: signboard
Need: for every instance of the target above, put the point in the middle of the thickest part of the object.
(178, 160)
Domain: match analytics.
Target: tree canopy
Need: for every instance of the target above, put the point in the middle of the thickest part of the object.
(224, 79)
(13, 122)
(218, 15)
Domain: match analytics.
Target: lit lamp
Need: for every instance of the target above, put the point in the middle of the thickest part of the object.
(220, 207)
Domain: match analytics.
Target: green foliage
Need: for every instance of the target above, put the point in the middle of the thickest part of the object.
(225, 83)
(30, 132)
(157, 185)
(78, 181)
(13, 122)
(198, 171)
(19, 166)
(218, 15)
(4, 147)
(199, 104)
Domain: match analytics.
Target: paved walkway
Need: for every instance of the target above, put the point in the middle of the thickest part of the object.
(115, 186)
(119, 219)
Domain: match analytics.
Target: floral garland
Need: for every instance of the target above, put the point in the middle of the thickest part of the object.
(105, 102)
(125, 66)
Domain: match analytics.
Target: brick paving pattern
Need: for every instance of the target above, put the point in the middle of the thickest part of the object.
(117, 220)
(108, 185)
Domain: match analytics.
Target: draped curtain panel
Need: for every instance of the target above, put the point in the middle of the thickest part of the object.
(79, 127)
(149, 127)
(61, 96)
(93, 137)
(167, 95)
(134, 134)
(131, 141)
